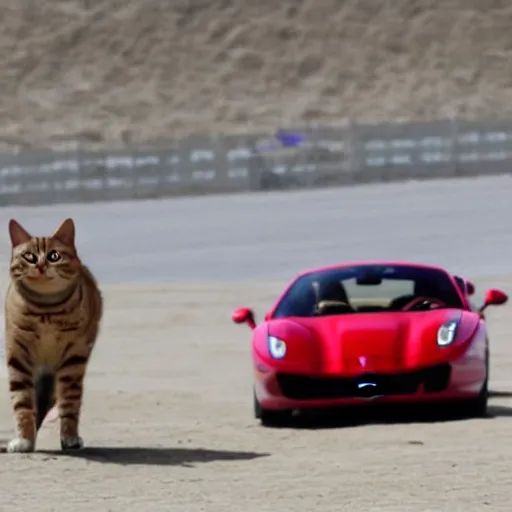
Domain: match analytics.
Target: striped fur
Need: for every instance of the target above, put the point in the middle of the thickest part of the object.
(53, 310)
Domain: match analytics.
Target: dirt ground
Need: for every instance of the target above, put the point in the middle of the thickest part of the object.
(117, 71)
(168, 425)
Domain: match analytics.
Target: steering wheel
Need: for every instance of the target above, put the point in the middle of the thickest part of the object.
(419, 300)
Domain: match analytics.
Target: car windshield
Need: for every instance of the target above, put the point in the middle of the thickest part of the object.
(368, 288)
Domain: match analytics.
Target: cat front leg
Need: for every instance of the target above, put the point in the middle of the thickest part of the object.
(22, 392)
(70, 380)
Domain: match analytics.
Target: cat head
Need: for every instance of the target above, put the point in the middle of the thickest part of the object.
(45, 264)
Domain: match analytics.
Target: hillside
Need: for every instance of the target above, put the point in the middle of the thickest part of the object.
(114, 71)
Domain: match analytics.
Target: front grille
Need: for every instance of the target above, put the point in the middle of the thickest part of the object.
(304, 387)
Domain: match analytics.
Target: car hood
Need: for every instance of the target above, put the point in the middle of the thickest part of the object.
(373, 341)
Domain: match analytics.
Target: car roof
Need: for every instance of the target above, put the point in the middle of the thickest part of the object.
(348, 264)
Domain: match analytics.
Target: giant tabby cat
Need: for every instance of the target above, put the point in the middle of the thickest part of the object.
(53, 310)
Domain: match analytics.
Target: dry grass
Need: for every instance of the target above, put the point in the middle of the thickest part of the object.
(121, 70)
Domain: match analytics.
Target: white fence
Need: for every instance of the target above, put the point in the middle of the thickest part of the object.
(311, 157)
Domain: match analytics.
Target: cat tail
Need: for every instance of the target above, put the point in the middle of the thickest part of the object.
(45, 395)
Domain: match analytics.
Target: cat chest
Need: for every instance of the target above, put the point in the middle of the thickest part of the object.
(53, 337)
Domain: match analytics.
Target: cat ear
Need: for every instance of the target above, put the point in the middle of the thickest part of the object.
(66, 232)
(18, 233)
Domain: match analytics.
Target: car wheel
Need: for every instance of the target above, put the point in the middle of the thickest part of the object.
(477, 407)
(271, 418)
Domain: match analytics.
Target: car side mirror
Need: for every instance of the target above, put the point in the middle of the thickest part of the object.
(493, 297)
(243, 316)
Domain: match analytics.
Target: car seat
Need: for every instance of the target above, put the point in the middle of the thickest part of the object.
(332, 298)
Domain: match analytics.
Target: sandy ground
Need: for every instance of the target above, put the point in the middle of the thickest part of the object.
(167, 418)
(168, 425)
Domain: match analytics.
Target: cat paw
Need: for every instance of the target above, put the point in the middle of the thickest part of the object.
(71, 443)
(20, 445)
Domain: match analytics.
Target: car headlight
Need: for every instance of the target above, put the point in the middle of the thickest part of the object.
(446, 333)
(276, 347)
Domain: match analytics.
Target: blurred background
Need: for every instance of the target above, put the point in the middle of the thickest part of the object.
(115, 99)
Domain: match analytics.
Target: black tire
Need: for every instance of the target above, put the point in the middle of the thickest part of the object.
(477, 407)
(271, 418)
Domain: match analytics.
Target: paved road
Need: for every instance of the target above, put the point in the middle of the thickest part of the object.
(464, 224)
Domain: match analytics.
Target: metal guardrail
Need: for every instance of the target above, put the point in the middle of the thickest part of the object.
(312, 157)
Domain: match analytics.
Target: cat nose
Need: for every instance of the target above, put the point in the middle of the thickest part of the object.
(40, 267)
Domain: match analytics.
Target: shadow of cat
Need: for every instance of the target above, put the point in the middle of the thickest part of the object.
(155, 456)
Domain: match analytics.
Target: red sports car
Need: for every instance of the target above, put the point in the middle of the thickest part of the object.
(367, 332)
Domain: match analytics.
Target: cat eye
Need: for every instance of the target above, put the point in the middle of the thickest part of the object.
(53, 256)
(30, 257)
